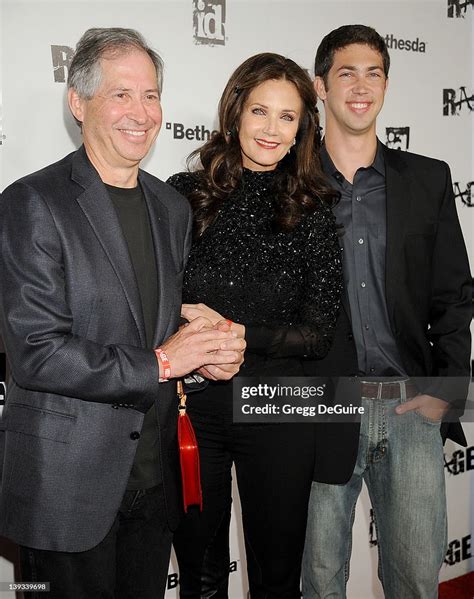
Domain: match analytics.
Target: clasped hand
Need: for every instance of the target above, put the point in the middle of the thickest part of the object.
(210, 346)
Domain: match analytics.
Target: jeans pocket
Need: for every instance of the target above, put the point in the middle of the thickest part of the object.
(420, 415)
(427, 419)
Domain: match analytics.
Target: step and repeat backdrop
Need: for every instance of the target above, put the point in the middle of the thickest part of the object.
(428, 110)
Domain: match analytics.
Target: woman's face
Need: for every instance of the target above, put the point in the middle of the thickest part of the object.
(269, 124)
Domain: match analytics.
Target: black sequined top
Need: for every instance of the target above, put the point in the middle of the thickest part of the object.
(283, 286)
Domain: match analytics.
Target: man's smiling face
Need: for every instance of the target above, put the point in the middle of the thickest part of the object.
(121, 121)
(354, 91)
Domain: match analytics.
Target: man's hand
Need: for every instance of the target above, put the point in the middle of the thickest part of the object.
(428, 406)
(224, 372)
(192, 311)
(198, 344)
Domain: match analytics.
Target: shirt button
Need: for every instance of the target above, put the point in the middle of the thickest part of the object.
(134, 435)
(358, 198)
(361, 241)
(372, 369)
(362, 284)
(366, 327)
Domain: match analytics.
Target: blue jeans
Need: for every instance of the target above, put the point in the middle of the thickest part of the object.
(400, 458)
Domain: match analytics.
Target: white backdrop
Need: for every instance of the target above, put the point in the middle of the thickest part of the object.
(428, 110)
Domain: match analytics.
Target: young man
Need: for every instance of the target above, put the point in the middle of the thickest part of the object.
(408, 303)
(92, 257)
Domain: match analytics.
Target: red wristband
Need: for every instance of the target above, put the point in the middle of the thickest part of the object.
(162, 358)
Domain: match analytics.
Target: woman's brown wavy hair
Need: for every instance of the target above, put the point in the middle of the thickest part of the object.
(300, 184)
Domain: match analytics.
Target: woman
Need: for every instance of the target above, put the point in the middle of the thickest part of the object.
(265, 256)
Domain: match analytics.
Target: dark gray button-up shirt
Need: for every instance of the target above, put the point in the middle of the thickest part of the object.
(362, 212)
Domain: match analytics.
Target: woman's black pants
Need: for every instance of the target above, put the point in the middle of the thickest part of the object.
(274, 466)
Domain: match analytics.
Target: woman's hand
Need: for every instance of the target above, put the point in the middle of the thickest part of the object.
(193, 311)
(223, 372)
(215, 371)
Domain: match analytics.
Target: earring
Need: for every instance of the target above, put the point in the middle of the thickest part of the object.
(293, 144)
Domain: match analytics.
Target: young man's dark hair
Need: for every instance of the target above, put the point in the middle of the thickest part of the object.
(342, 37)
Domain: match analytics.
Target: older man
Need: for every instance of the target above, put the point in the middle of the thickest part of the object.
(93, 251)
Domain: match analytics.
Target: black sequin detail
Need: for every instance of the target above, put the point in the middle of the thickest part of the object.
(253, 275)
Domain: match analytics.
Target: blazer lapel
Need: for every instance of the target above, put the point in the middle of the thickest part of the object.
(399, 198)
(160, 229)
(103, 219)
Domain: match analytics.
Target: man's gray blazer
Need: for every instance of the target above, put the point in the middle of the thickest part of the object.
(71, 319)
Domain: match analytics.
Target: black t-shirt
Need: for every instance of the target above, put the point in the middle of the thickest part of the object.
(133, 216)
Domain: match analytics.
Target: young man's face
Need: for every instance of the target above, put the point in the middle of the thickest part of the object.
(355, 89)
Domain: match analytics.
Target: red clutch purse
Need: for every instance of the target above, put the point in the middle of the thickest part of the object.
(188, 455)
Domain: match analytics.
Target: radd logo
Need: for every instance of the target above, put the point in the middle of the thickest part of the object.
(61, 57)
(462, 460)
(457, 9)
(465, 193)
(457, 101)
(458, 551)
(209, 22)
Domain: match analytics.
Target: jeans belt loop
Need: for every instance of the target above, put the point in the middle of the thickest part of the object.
(379, 390)
(403, 390)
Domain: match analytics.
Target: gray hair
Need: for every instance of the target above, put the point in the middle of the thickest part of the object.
(85, 72)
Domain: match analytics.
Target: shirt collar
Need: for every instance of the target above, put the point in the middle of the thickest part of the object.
(379, 161)
(326, 162)
(330, 169)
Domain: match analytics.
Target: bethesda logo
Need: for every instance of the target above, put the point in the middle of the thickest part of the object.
(196, 133)
(209, 22)
(409, 45)
(173, 579)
